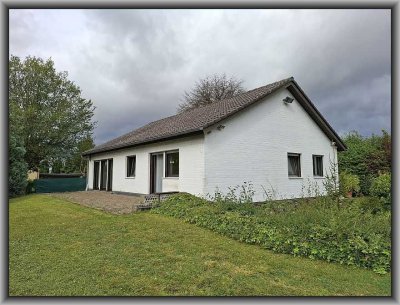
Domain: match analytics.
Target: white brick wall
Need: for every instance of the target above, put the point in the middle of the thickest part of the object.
(252, 147)
(254, 144)
(191, 167)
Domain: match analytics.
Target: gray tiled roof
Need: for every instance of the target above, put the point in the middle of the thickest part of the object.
(189, 121)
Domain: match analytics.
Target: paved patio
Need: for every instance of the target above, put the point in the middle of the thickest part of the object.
(106, 201)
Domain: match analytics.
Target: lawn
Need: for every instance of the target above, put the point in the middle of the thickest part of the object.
(60, 248)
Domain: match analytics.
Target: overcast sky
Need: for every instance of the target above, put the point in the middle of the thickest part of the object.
(136, 64)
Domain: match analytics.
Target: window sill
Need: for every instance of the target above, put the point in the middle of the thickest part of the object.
(295, 177)
(173, 178)
(319, 177)
(130, 177)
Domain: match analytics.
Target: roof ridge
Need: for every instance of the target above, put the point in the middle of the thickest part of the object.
(291, 78)
(212, 103)
(193, 119)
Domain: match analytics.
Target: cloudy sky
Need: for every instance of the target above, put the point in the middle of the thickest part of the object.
(136, 64)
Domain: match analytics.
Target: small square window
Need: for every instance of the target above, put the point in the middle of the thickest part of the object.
(318, 166)
(172, 164)
(294, 166)
(131, 166)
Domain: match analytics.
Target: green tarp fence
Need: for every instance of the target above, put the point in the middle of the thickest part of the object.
(60, 185)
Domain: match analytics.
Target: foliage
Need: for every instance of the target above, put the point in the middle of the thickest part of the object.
(381, 188)
(349, 183)
(238, 194)
(64, 249)
(73, 164)
(366, 157)
(46, 110)
(209, 90)
(331, 183)
(372, 205)
(18, 170)
(314, 228)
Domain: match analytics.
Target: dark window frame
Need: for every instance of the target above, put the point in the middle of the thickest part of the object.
(315, 169)
(298, 174)
(167, 168)
(128, 168)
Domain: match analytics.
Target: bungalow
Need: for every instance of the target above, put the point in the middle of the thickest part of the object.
(272, 137)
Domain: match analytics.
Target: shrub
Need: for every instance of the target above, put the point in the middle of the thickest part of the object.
(366, 157)
(349, 183)
(331, 183)
(237, 194)
(371, 205)
(314, 228)
(381, 188)
(18, 169)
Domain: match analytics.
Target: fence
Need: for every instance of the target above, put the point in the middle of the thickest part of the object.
(53, 185)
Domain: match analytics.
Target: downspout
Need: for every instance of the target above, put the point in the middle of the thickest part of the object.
(87, 174)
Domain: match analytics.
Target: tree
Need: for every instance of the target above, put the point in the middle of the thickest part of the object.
(209, 90)
(366, 157)
(18, 169)
(76, 164)
(47, 110)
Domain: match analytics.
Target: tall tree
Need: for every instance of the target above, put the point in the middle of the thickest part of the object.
(209, 90)
(47, 110)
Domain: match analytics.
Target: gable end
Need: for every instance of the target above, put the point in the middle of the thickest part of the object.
(306, 103)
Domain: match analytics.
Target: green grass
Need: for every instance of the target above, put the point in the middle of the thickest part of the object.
(353, 232)
(60, 248)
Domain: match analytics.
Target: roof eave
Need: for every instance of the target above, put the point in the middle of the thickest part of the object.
(189, 133)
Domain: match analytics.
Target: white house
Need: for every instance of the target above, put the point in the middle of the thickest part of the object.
(272, 137)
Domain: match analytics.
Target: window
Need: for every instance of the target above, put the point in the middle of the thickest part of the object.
(172, 164)
(131, 166)
(294, 168)
(317, 166)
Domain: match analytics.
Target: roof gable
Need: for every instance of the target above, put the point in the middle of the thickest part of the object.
(195, 120)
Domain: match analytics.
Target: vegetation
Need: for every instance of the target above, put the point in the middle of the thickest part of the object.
(75, 163)
(366, 157)
(60, 248)
(210, 90)
(381, 188)
(348, 233)
(349, 183)
(47, 112)
(18, 170)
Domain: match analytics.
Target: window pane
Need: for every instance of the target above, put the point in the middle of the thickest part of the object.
(318, 166)
(131, 166)
(294, 168)
(172, 165)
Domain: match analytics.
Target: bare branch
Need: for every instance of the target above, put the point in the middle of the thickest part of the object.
(209, 90)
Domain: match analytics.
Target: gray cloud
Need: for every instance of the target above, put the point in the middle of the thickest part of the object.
(136, 64)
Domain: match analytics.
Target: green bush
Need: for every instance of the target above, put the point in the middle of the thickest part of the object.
(17, 167)
(381, 188)
(366, 157)
(316, 228)
(349, 183)
(371, 205)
